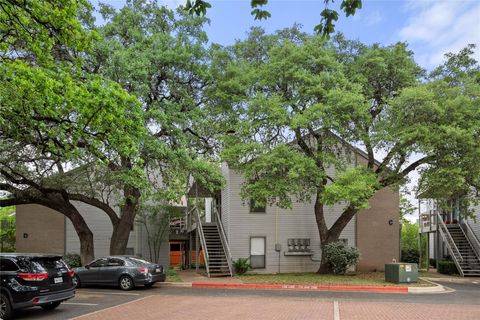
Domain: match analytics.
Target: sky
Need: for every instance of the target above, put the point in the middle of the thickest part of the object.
(430, 27)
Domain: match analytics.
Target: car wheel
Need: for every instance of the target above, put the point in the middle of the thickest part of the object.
(126, 283)
(50, 306)
(5, 308)
(148, 285)
(76, 281)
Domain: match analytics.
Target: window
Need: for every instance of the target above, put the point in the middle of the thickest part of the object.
(7, 265)
(114, 262)
(99, 263)
(257, 252)
(254, 208)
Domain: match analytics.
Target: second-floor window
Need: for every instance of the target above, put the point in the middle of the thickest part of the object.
(256, 208)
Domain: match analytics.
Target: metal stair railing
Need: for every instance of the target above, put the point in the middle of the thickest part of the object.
(202, 241)
(223, 238)
(451, 246)
(472, 238)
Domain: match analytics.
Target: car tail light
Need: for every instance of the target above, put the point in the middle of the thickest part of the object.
(143, 270)
(71, 273)
(35, 300)
(33, 276)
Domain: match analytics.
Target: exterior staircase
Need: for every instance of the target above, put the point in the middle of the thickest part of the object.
(467, 258)
(217, 264)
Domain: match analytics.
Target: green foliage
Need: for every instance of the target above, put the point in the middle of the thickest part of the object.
(355, 185)
(242, 265)
(34, 35)
(406, 208)
(447, 267)
(72, 260)
(409, 236)
(409, 244)
(340, 257)
(325, 28)
(7, 229)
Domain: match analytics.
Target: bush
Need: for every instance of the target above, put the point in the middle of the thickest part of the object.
(410, 255)
(73, 260)
(340, 257)
(433, 262)
(242, 265)
(447, 267)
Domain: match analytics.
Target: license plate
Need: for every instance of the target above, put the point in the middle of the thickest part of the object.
(157, 270)
(58, 280)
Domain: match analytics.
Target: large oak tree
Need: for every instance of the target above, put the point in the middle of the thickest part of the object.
(293, 103)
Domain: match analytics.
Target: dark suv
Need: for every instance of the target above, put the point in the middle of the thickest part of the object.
(28, 280)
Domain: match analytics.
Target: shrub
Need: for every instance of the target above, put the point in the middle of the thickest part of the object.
(340, 257)
(73, 260)
(241, 265)
(410, 255)
(447, 267)
(433, 262)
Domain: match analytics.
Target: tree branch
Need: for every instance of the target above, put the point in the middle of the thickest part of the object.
(98, 204)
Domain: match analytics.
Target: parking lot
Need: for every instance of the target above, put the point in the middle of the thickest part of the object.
(86, 301)
(195, 303)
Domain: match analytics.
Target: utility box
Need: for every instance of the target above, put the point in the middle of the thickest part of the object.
(401, 272)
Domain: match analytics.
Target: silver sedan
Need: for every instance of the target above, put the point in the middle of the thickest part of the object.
(126, 272)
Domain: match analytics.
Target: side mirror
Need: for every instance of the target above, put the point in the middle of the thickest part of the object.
(87, 266)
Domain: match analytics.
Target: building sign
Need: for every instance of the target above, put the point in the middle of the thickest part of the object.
(428, 221)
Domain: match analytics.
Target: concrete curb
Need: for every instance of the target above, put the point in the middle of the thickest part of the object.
(435, 288)
(174, 284)
(301, 287)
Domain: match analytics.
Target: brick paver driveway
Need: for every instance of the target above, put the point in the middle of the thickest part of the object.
(242, 308)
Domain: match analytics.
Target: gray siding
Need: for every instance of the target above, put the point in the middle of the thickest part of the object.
(277, 225)
(100, 224)
(225, 202)
(142, 247)
(475, 223)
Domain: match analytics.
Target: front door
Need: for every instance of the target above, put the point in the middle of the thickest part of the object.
(94, 272)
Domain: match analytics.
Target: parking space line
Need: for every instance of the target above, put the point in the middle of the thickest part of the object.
(80, 304)
(106, 292)
(122, 304)
(336, 311)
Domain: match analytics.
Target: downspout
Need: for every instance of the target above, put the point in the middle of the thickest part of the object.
(276, 236)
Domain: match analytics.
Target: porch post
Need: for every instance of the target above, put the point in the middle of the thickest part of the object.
(197, 252)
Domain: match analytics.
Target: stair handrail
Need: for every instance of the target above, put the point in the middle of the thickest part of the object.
(223, 238)
(471, 235)
(202, 241)
(449, 242)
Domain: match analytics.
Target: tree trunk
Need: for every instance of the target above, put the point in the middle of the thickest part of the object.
(84, 233)
(323, 232)
(324, 267)
(330, 235)
(121, 230)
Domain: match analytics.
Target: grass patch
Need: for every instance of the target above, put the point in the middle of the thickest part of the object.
(358, 279)
(172, 276)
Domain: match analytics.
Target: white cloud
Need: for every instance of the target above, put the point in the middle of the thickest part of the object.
(374, 18)
(440, 27)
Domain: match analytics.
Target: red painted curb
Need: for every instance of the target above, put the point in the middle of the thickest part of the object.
(299, 287)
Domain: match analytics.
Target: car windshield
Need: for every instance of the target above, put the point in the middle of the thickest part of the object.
(137, 261)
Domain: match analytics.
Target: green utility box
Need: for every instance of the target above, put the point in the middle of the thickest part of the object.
(401, 272)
